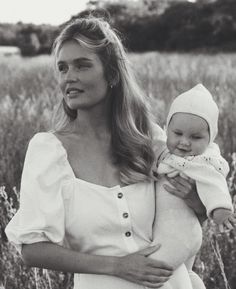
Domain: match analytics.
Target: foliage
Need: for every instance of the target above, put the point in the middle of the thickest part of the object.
(164, 25)
(175, 25)
(31, 39)
(27, 97)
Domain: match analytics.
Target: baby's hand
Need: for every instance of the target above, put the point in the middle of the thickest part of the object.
(224, 218)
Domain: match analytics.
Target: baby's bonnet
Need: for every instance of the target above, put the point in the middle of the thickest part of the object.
(197, 101)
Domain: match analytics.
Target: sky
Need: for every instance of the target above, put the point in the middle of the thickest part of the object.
(39, 11)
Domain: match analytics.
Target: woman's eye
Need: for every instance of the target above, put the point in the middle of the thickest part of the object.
(82, 66)
(177, 133)
(62, 68)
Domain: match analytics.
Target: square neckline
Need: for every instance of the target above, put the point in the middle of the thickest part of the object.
(118, 186)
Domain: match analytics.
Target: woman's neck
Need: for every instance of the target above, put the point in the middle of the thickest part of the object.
(92, 121)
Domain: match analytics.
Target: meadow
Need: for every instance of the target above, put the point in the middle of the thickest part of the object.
(28, 95)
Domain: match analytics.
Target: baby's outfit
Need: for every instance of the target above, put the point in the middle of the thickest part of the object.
(209, 170)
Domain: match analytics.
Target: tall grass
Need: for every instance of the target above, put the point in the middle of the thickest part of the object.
(27, 96)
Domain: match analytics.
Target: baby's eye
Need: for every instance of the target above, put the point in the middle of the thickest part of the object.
(196, 137)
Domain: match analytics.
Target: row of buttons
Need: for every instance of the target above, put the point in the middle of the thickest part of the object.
(125, 215)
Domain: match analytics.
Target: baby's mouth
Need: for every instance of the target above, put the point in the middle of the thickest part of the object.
(183, 151)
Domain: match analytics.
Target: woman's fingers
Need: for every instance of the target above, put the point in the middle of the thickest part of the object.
(173, 191)
(181, 187)
(141, 269)
(182, 183)
(150, 285)
(148, 251)
(160, 273)
(154, 282)
(161, 267)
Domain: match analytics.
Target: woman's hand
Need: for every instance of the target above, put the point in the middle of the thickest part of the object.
(140, 269)
(185, 188)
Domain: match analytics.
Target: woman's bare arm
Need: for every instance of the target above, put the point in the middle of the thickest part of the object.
(52, 256)
(134, 267)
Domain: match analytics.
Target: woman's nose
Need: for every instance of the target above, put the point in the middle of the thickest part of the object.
(71, 75)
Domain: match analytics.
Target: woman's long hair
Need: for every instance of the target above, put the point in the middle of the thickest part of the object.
(131, 133)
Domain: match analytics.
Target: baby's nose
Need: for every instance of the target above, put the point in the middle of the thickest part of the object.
(185, 141)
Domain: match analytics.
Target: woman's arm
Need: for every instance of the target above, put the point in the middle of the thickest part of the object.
(52, 256)
(134, 267)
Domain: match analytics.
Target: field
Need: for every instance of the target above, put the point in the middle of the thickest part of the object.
(28, 94)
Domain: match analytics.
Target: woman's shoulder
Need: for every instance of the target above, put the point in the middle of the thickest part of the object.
(45, 140)
(45, 146)
(46, 157)
(42, 138)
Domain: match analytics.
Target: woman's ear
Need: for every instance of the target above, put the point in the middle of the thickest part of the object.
(113, 79)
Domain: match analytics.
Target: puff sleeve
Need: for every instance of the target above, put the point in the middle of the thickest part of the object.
(41, 216)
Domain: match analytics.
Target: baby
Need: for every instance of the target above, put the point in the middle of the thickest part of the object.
(191, 152)
(191, 129)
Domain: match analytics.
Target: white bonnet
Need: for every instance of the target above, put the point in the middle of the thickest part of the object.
(198, 101)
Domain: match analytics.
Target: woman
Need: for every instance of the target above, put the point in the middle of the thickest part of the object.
(87, 202)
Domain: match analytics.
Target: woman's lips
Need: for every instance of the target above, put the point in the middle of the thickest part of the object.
(73, 92)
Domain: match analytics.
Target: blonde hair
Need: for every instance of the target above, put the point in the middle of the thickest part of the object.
(131, 136)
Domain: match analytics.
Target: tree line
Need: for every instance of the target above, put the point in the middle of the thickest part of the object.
(181, 26)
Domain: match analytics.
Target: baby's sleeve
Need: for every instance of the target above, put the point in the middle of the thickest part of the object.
(211, 170)
(213, 156)
(41, 216)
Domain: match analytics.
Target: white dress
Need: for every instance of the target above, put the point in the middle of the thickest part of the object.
(58, 207)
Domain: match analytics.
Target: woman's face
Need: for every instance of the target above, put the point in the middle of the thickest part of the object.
(81, 76)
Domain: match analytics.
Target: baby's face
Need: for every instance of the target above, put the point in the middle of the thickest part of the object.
(187, 135)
